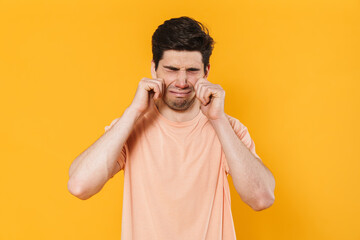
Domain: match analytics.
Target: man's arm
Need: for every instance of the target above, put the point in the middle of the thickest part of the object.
(252, 179)
(96, 165)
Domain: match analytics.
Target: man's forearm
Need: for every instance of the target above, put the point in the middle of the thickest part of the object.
(92, 168)
(252, 179)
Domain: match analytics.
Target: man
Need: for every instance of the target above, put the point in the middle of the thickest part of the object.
(176, 146)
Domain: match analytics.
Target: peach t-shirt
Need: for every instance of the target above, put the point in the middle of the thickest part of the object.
(175, 180)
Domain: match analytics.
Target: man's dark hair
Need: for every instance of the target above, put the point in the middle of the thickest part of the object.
(183, 33)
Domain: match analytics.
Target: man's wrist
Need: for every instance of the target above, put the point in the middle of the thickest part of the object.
(132, 114)
(220, 120)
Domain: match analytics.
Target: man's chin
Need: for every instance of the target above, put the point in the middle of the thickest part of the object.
(180, 105)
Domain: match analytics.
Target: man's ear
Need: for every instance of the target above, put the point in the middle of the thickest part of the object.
(153, 71)
(207, 70)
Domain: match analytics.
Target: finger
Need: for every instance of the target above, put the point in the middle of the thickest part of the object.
(152, 87)
(207, 95)
(157, 91)
(201, 93)
(197, 92)
(160, 84)
(198, 83)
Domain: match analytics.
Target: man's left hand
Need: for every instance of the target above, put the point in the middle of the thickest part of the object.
(212, 98)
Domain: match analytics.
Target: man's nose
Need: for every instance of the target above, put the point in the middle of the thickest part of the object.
(182, 79)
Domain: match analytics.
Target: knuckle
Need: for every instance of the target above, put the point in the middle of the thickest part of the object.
(143, 81)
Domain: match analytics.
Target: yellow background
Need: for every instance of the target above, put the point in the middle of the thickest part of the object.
(291, 74)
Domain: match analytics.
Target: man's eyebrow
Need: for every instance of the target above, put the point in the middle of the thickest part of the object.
(171, 68)
(193, 69)
(174, 68)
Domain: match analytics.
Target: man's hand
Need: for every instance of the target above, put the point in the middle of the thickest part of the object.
(212, 98)
(147, 90)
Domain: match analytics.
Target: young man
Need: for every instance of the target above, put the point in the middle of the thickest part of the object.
(176, 146)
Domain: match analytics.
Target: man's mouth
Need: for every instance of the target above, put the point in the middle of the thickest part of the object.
(180, 93)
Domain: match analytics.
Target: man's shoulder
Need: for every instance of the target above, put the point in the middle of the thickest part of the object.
(232, 119)
(235, 123)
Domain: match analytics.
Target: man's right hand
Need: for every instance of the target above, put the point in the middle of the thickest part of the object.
(147, 90)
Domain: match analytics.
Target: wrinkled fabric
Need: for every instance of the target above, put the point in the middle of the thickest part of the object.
(175, 179)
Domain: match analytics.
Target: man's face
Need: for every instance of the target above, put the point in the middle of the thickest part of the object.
(180, 71)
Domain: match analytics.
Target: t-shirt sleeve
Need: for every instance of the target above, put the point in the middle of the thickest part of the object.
(122, 158)
(243, 133)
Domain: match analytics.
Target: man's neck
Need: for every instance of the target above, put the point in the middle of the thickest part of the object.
(178, 116)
